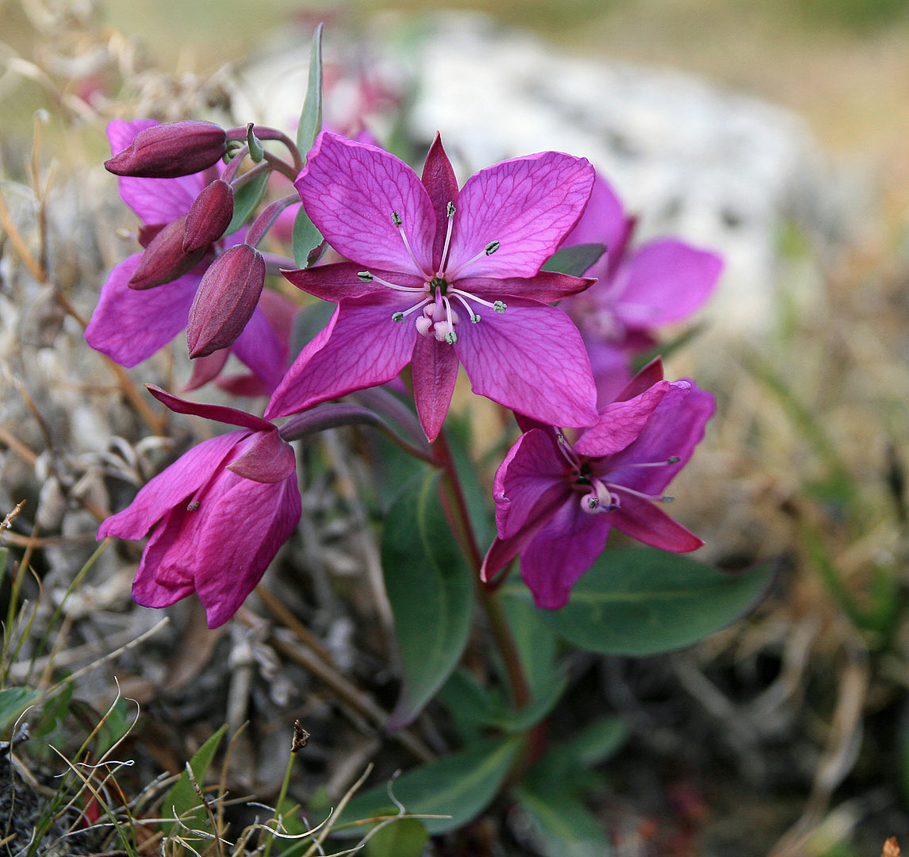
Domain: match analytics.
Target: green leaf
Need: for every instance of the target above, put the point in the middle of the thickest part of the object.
(308, 322)
(574, 260)
(430, 590)
(461, 786)
(404, 838)
(645, 601)
(306, 237)
(537, 644)
(564, 827)
(13, 701)
(246, 200)
(472, 707)
(543, 701)
(311, 118)
(182, 801)
(598, 741)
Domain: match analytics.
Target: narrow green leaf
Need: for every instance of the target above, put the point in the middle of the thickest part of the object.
(472, 707)
(404, 838)
(576, 260)
(564, 827)
(537, 644)
(182, 799)
(460, 786)
(645, 601)
(13, 701)
(306, 237)
(544, 700)
(311, 117)
(429, 587)
(246, 200)
(598, 741)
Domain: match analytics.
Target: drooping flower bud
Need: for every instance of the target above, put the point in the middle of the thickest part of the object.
(164, 259)
(209, 216)
(225, 300)
(171, 150)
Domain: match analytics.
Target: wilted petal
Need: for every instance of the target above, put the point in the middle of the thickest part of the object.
(526, 204)
(531, 359)
(352, 190)
(361, 347)
(128, 325)
(435, 371)
(664, 281)
(561, 552)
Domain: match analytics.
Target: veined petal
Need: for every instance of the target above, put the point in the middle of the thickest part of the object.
(435, 371)
(549, 567)
(232, 558)
(339, 280)
(128, 325)
(621, 423)
(664, 281)
(351, 191)
(219, 413)
(170, 488)
(531, 359)
(153, 200)
(206, 369)
(648, 523)
(526, 204)
(163, 579)
(530, 483)
(361, 347)
(545, 287)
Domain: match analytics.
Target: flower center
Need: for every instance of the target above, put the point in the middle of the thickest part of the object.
(438, 317)
(597, 491)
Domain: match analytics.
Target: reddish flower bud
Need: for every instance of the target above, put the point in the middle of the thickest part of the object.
(164, 259)
(171, 150)
(225, 300)
(209, 216)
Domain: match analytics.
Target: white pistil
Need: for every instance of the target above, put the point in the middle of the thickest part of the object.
(366, 277)
(450, 212)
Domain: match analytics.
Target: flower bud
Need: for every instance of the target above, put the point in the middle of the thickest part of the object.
(170, 150)
(164, 259)
(209, 216)
(225, 300)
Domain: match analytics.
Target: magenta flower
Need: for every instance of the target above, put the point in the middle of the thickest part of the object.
(556, 501)
(129, 325)
(441, 276)
(637, 290)
(222, 510)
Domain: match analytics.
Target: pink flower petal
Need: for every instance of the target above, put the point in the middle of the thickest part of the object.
(621, 423)
(531, 359)
(603, 222)
(442, 186)
(231, 559)
(526, 204)
(664, 281)
(532, 478)
(546, 286)
(339, 280)
(361, 347)
(549, 567)
(260, 348)
(352, 190)
(266, 457)
(219, 413)
(435, 371)
(128, 325)
(164, 578)
(170, 488)
(206, 369)
(648, 523)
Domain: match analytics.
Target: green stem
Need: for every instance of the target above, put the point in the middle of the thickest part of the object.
(457, 512)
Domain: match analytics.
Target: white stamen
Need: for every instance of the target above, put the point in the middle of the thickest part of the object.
(488, 250)
(396, 219)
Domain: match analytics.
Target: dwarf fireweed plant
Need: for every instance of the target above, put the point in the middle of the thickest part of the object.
(523, 275)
